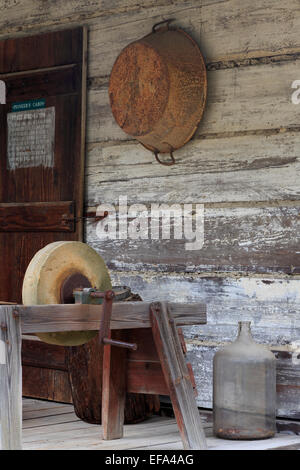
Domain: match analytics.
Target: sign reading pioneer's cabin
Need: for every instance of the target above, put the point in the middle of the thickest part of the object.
(30, 138)
(28, 105)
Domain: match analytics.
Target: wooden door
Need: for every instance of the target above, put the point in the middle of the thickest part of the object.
(42, 137)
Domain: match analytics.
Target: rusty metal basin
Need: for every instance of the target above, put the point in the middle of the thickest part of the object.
(158, 89)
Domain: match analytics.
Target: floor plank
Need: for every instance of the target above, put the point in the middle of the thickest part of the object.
(29, 414)
(54, 426)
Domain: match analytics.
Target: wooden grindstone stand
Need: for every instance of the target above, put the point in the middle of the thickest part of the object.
(142, 354)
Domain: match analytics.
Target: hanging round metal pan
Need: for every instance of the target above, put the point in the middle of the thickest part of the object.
(158, 88)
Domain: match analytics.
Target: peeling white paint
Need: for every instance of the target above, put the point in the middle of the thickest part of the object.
(295, 345)
(2, 352)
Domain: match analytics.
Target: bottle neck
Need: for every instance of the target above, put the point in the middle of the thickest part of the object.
(244, 332)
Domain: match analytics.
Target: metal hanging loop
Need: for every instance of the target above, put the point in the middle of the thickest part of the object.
(170, 163)
(165, 22)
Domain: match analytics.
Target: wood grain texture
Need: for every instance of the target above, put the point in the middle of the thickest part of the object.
(146, 350)
(146, 377)
(10, 380)
(37, 217)
(85, 367)
(126, 315)
(262, 30)
(177, 377)
(29, 53)
(216, 24)
(272, 304)
(241, 239)
(45, 383)
(85, 364)
(144, 372)
(56, 80)
(39, 354)
(244, 168)
(48, 431)
(114, 388)
(29, 15)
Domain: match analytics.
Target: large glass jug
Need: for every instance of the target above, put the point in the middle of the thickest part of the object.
(244, 389)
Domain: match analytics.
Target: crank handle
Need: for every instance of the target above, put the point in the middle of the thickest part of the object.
(120, 344)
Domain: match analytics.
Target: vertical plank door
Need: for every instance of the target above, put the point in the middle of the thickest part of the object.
(42, 138)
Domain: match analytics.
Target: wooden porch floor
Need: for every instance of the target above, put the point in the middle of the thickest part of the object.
(54, 426)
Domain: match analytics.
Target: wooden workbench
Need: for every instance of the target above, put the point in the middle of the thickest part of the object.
(160, 319)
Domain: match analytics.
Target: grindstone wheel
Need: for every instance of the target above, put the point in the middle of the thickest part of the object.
(52, 275)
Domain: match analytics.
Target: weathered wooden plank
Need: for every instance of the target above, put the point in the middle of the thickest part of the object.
(288, 427)
(30, 16)
(244, 239)
(271, 303)
(38, 426)
(288, 380)
(155, 433)
(10, 380)
(245, 168)
(114, 389)
(216, 24)
(177, 377)
(227, 156)
(67, 317)
(144, 372)
(46, 384)
(40, 406)
(30, 52)
(239, 99)
(39, 354)
(33, 413)
(146, 377)
(59, 418)
(89, 439)
(37, 217)
(45, 372)
(163, 437)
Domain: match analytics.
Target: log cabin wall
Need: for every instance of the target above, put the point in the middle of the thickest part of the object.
(243, 164)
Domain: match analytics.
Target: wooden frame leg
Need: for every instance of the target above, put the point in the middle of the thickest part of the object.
(10, 380)
(177, 377)
(114, 388)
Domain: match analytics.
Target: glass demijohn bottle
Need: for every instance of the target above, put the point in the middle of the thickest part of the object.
(244, 389)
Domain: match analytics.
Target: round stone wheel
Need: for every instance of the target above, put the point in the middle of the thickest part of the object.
(50, 278)
(54, 272)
